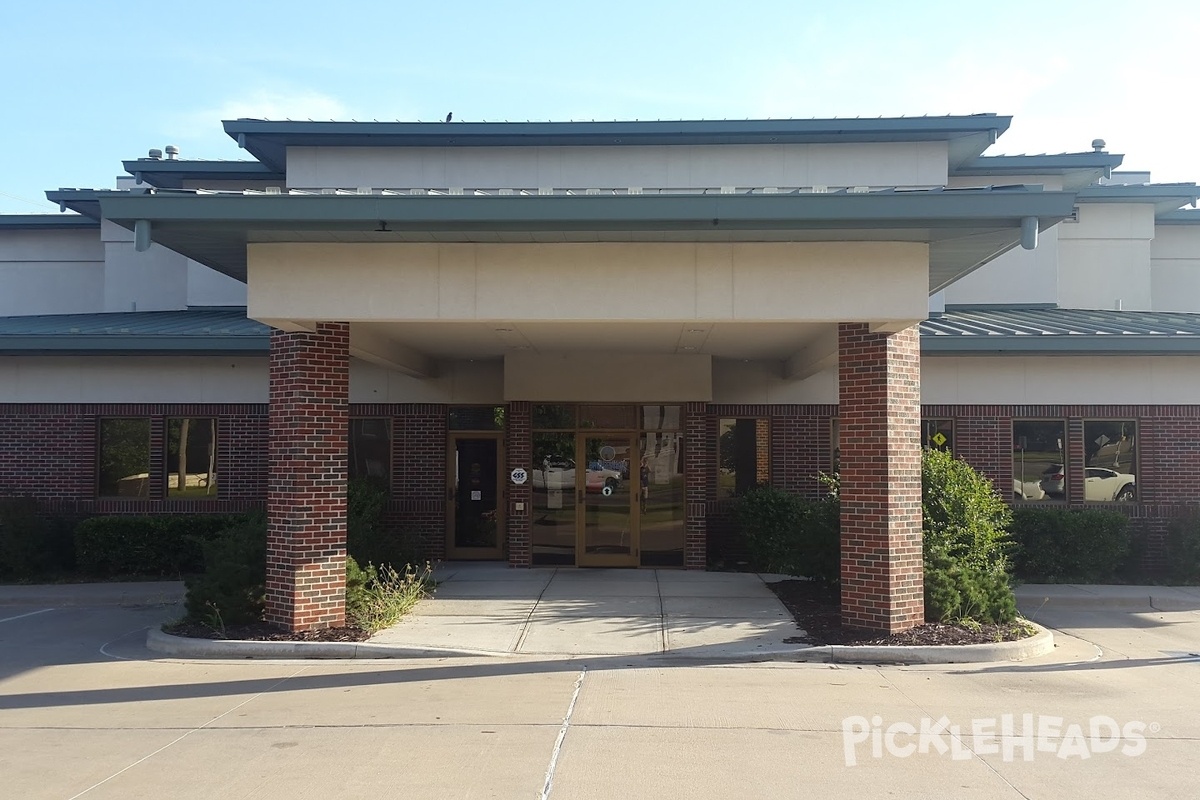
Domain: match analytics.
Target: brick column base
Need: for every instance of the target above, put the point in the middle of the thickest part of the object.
(306, 486)
(695, 481)
(519, 449)
(880, 411)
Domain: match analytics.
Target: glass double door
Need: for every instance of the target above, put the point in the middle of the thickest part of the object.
(585, 487)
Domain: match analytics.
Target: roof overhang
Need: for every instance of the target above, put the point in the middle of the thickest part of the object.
(43, 222)
(964, 228)
(268, 140)
(1166, 197)
(172, 173)
(1076, 169)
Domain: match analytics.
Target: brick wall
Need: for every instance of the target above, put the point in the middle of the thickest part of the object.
(308, 420)
(518, 446)
(879, 411)
(699, 471)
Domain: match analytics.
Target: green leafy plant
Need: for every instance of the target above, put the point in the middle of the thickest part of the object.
(368, 537)
(170, 544)
(33, 543)
(1071, 545)
(377, 597)
(1183, 549)
(965, 543)
(232, 589)
(789, 534)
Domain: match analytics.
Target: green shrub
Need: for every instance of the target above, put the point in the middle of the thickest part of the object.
(788, 534)
(1070, 545)
(32, 543)
(1183, 549)
(368, 539)
(167, 545)
(232, 589)
(955, 591)
(965, 543)
(377, 597)
(963, 517)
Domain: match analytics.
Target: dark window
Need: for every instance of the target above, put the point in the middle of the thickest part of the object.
(938, 434)
(477, 418)
(1111, 466)
(743, 455)
(192, 458)
(124, 457)
(553, 417)
(1039, 460)
(610, 417)
(662, 418)
(370, 450)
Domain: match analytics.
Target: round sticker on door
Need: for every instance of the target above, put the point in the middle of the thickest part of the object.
(607, 491)
(519, 476)
(607, 453)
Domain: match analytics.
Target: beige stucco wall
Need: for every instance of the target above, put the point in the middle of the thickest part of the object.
(1061, 379)
(1175, 268)
(736, 381)
(1019, 276)
(675, 166)
(1104, 259)
(51, 272)
(828, 282)
(132, 379)
(607, 377)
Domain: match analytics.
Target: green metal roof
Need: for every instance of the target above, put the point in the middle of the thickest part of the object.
(964, 227)
(199, 331)
(171, 173)
(1041, 164)
(991, 330)
(1166, 197)
(41, 222)
(1186, 216)
(962, 330)
(268, 140)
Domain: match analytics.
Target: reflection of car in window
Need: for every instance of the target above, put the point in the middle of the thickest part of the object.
(1101, 483)
(559, 473)
(1027, 490)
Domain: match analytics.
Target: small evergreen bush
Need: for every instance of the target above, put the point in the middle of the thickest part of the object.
(232, 589)
(1059, 545)
(368, 539)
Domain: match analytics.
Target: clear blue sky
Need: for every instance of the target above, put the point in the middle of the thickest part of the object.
(86, 84)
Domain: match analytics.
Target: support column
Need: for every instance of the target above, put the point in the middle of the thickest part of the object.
(518, 424)
(880, 412)
(308, 419)
(696, 450)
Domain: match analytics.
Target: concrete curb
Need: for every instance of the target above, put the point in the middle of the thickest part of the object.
(187, 647)
(1037, 645)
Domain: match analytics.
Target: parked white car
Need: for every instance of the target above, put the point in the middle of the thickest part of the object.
(1101, 483)
(560, 474)
(1027, 490)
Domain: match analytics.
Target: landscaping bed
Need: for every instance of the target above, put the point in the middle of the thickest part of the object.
(262, 632)
(816, 607)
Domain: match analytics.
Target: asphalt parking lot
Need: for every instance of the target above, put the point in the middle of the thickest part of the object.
(87, 711)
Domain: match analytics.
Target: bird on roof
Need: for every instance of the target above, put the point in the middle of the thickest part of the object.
(450, 116)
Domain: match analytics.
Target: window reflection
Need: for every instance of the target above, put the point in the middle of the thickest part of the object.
(1111, 466)
(192, 458)
(743, 456)
(124, 458)
(370, 450)
(938, 434)
(1039, 462)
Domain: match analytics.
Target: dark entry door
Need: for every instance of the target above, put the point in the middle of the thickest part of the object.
(475, 511)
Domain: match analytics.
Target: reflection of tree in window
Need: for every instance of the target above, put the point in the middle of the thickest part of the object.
(370, 451)
(124, 458)
(554, 417)
(191, 457)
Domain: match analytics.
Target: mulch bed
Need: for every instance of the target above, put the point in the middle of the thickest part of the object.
(262, 632)
(817, 610)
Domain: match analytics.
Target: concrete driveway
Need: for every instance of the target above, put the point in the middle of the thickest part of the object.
(87, 712)
(489, 608)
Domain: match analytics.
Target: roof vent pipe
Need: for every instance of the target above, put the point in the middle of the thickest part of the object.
(1098, 145)
(155, 154)
(172, 152)
(1029, 232)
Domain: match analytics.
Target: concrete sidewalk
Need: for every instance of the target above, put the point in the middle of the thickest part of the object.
(1080, 597)
(489, 608)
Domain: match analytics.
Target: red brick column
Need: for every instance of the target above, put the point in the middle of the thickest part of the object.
(880, 412)
(308, 420)
(696, 450)
(518, 423)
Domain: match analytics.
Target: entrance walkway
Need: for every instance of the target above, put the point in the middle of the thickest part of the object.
(567, 611)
